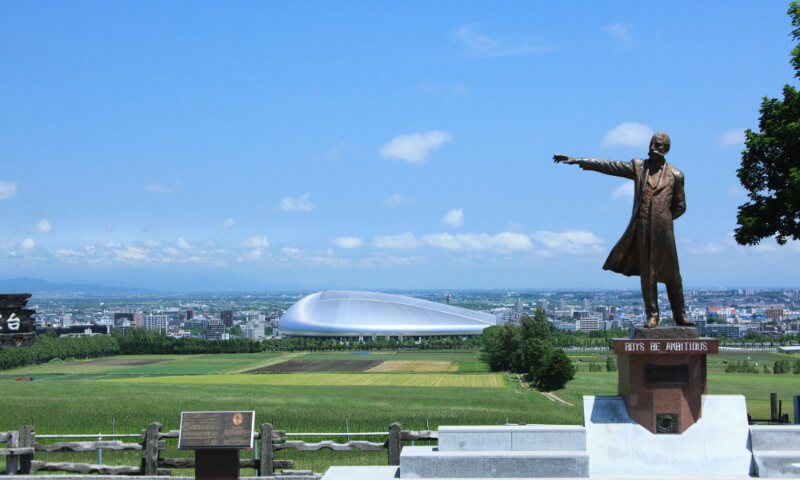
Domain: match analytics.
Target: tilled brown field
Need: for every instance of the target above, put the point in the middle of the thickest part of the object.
(299, 366)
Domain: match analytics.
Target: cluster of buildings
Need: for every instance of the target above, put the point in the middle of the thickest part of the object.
(339, 314)
(171, 321)
(746, 312)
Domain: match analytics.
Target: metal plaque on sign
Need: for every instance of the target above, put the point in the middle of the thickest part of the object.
(666, 376)
(216, 430)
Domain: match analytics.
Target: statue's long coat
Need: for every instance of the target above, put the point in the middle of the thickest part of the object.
(667, 204)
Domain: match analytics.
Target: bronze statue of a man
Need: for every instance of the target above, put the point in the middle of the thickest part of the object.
(647, 248)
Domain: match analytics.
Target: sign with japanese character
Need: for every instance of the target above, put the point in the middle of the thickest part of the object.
(17, 325)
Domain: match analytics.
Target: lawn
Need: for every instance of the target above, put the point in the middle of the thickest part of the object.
(61, 407)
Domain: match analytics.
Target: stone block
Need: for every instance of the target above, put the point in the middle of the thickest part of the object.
(777, 464)
(512, 437)
(716, 445)
(775, 437)
(776, 450)
(429, 462)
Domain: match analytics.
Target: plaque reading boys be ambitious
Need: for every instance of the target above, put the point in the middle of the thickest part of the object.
(216, 430)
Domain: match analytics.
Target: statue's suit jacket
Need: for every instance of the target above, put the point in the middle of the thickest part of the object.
(668, 203)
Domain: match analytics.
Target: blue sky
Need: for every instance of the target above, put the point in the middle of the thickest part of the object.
(386, 145)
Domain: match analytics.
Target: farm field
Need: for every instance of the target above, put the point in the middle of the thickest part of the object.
(74, 397)
(487, 380)
(84, 396)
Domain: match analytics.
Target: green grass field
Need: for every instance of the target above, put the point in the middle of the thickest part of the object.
(84, 397)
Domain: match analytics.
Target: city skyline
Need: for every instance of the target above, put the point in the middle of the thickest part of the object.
(235, 147)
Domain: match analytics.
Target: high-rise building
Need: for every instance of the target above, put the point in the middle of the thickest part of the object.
(226, 318)
(156, 321)
(774, 313)
(189, 314)
(215, 331)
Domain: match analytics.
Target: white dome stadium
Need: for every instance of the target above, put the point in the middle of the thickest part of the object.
(356, 314)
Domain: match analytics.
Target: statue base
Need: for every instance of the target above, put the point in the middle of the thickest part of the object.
(665, 333)
(662, 380)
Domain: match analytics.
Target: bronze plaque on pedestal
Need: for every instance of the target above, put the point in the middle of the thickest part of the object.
(216, 430)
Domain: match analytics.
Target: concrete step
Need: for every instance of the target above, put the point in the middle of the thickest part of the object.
(512, 437)
(775, 437)
(430, 462)
(777, 464)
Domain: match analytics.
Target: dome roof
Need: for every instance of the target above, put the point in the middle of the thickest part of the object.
(348, 313)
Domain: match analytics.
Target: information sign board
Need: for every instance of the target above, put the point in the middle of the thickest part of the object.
(216, 430)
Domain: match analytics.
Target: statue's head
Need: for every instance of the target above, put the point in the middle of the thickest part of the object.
(659, 144)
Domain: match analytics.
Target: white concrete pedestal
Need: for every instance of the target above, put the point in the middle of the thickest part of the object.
(717, 445)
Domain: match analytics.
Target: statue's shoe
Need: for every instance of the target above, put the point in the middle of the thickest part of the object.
(652, 322)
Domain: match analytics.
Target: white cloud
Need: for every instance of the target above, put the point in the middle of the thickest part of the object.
(183, 244)
(256, 242)
(290, 251)
(68, 255)
(228, 223)
(629, 134)
(397, 200)
(297, 204)
(415, 147)
(130, 253)
(173, 251)
(481, 45)
(624, 191)
(454, 218)
(505, 241)
(732, 138)
(253, 254)
(27, 244)
(347, 242)
(151, 243)
(618, 31)
(161, 188)
(402, 240)
(44, 226)
(573, 242)
(7, 189)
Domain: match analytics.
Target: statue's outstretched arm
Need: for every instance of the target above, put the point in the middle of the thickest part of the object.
(609, 167)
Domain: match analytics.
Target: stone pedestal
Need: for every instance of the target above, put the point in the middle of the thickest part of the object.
(662, 380)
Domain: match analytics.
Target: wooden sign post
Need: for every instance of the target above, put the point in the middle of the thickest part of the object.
(17, 327)
(216, 438)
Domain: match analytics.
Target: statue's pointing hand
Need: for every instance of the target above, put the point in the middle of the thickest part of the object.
(558, 158)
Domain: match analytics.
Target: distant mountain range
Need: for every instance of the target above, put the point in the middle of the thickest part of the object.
(40, 287)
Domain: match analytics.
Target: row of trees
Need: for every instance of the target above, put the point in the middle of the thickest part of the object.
(49, 347)
(137, 341)
(527, 349)
(780, 366)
